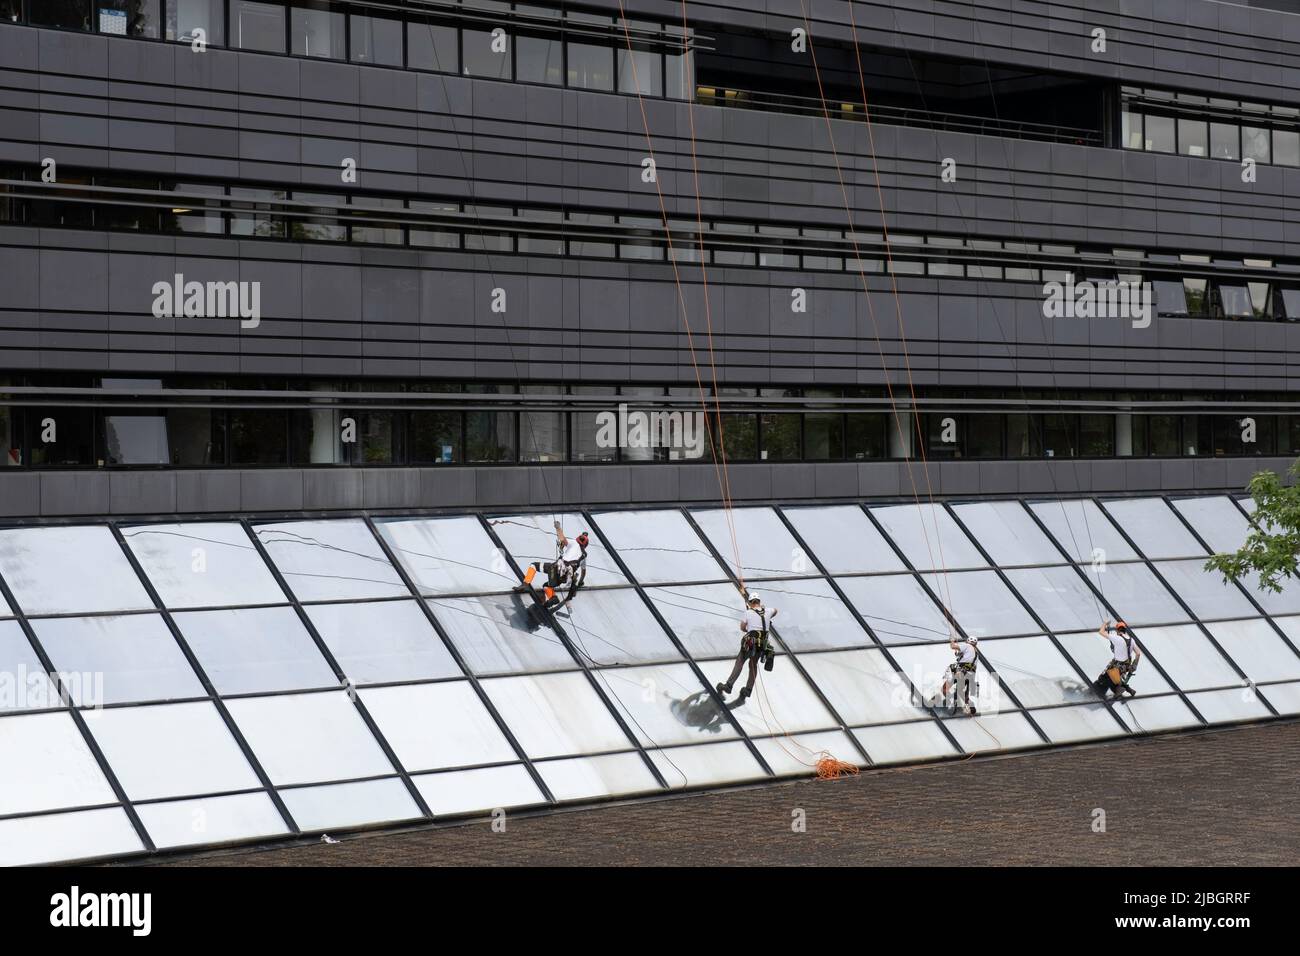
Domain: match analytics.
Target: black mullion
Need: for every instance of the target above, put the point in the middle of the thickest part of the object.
(1031, 612)
(794, 661)
(953, 619)
(681, 649)
(1181, 603)
(1245, 590)
(460, 662)
(1099, 596)
(582, 663)
(344, 681)
(202, 675)
(65, 695)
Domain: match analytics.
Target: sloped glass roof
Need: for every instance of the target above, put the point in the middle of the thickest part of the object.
(293, 676)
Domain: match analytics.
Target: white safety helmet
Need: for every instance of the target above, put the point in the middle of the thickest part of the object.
(753, 598)
(973, 641)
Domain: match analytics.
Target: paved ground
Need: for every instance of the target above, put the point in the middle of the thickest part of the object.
(1224, 798)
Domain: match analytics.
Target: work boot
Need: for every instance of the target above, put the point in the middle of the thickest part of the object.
(723, 689)
(744, 695)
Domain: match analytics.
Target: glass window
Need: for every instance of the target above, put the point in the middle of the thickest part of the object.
(1217, 521)
(554, 715)
(928, 536)
(543, 436)
(1154, 528)
(1160, 134)
(812, 617)
(705, 617)
(540, 60)
(1135, 593)
(1059, 596)
(531, 538)
(615, 627)
(1286, 147)
(862, 686)
(113, 660)
(305, 738)
(255, 650)
(1085, 533)
(1006, 531)
(641, 71)
(1131, 129)
(350, 804)
(65, 570)
(785, 699)
(702, 764)
(381, 641)
(1227, 706)
(377, 40)
(1193, 137)
(1224, 141)
(485, 789)
(843, 539)
(993, 732)
(1171, 297)
(466, 733)
(136, 440)
(447, 555)
(376, 231)
(491, 436)
(257, 26)
(896, 608)
(1205, 592)
(1187, 657)
(591, 67)
(1035, 672)
(171, 750)
(186, 17)
(318, 220)
(485, 55)
(582, 778)
(981, 603)
(136, 18)
(1091, 652)
(1148, 714)
(501, 633)
(766, 547)
(667, 704)
(68, 14)
(679, 75)
(1255, 648)
(72, 437)
(1234, 302)
(1081, 722)
(318, 31)
(780, 437)
(1255, 142)
(203, 564)
(330, 560)
(60, 837)
(903, 743)
(29, 686)
(865, 436)
(432, 46)
(435, 437)
(265, 218)
(190, 215)
(658, 546)
(48, 765)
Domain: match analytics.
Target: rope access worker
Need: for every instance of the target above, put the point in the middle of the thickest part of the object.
(569, 569)
(1124, 654)
(754, 646)
(961, 673)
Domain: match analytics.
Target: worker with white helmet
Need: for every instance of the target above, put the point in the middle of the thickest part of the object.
(961, 674)
(754, 646)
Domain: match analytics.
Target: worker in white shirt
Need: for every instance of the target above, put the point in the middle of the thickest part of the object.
(754, 646)
(569, 569)
(1124, 657)
(961, 675)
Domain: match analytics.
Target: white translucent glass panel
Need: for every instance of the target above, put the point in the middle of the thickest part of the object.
(1147, 715)
(555, 715)
(582, 778)
(377, 641)
(1081, 722)
(1035, 671)
(5, 609)
(253, 650)
(47, 765)
(23, 682)
(61, 837)
(615, 627)
(665, 705)
(1154, 527)
(993, 732)
(1285, 602)
(330, 560)
(350, 804)
(1135, 593)
(844, 540)
(309, 738)
(811, 615)
(1225, 706)
(60, 570)
(928, 537)
(705, 617)
(862, 686)
(767, 549)
(981, 603)
(469, 791)
(926, 667)
(1205, 592)
(903, 743)
(659, 546)
(111, 660)
(896, 608)
(782, 700)
(706, 764)
(203, 564)
(243, 816)
(796, 755)
(1060, 596)
(1217, 520)
(448, 555)
(1189, 659)
(1290, 627)
(171, 750)
(1092, 653)
(1285, 698)
(1082, 529)
(531, 538)
(1257, 650)
(497, 634)
(1007, 532)
(436, 726)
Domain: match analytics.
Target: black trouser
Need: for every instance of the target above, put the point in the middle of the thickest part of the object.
(1104, 682)
(752, 646)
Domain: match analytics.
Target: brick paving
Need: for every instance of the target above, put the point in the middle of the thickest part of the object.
(1219, 798)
